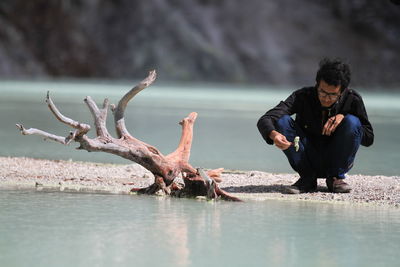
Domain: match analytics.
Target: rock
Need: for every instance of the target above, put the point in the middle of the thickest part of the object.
(230, 41)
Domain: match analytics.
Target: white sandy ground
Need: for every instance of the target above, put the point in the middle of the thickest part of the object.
(16, 172)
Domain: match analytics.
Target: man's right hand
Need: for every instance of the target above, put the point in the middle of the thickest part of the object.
(279, 140)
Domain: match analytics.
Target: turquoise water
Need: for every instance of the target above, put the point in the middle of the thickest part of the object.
(67, 229)
(225, 133)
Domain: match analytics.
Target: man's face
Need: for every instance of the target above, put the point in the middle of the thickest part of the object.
(328, 94)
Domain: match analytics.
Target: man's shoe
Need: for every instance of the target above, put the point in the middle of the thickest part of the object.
(336, 185)
(303, 185)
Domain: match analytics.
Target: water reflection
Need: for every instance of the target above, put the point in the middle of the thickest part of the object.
(63, 229)
(179, 227)
(173, 230)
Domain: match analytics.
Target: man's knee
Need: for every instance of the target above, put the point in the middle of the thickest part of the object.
(351, 121)
(351, 124)
(284, 122)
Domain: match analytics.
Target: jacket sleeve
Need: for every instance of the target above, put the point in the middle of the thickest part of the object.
(266, 123)
(361, 113)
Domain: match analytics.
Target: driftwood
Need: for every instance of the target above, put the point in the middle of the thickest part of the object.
(164, 168)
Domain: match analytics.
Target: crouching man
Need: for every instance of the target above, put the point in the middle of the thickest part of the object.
(331, 122)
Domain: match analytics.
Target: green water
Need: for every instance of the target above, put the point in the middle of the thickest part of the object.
(66, 229)
(225, 133)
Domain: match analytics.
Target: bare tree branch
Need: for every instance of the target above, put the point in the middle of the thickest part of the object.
(82, 127)
(46, 135)
(99, 116)
(120, 109)
(185, 143)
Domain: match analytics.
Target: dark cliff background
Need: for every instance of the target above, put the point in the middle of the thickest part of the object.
(235, 41)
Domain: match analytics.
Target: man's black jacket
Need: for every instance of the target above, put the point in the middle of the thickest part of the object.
(305, 104)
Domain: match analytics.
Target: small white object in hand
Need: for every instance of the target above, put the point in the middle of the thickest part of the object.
(296, 143)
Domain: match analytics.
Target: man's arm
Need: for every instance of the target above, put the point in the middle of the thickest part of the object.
(266, 124)
(361, 113)
(279, 140)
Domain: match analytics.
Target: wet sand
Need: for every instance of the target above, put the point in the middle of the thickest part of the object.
(17, 172)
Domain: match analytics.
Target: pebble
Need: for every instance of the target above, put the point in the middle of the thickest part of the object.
(252, 185)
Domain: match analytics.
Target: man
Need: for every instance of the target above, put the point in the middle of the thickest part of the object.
(331, 122)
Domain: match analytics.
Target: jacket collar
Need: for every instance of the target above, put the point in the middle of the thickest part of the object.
(336, 105)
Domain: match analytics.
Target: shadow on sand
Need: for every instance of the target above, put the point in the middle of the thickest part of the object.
(275, 188)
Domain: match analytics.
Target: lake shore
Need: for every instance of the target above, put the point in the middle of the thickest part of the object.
(71, 176)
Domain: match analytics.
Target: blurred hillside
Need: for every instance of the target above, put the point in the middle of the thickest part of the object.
(256, 41)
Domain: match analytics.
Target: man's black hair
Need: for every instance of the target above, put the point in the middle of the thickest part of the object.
(334, 72)
(396, 2)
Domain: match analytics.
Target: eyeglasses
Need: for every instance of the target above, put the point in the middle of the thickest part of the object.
(331, 96)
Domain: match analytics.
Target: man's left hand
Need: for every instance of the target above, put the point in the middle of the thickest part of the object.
(331, 124)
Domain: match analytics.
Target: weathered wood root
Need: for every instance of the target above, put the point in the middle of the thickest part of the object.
(193, 186)
(164, 168)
